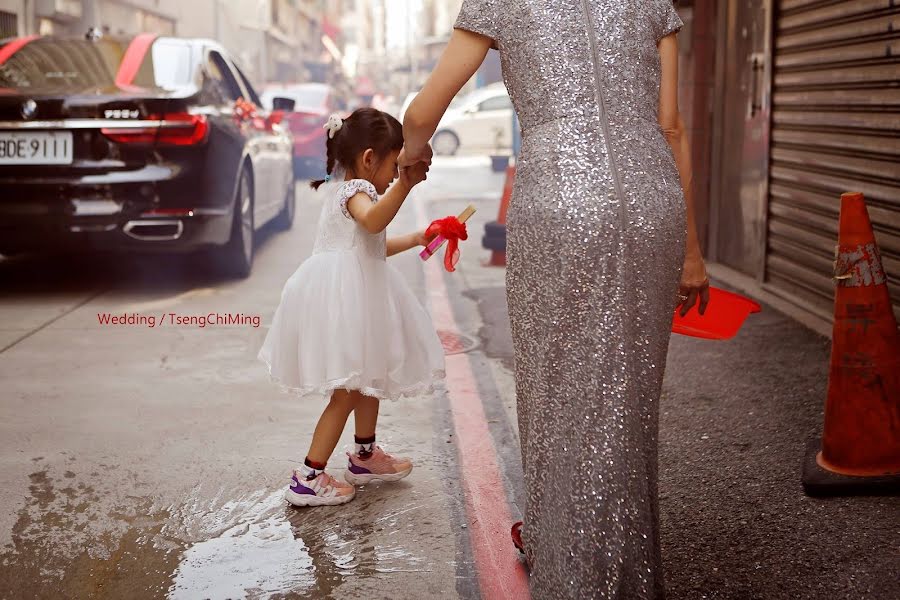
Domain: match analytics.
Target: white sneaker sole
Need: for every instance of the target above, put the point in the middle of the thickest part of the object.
(310, 500)
(364, 478)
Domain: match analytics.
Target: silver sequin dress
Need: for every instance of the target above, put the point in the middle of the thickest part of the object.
(595, 244)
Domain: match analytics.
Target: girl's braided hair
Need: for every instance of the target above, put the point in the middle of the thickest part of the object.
(365, 128)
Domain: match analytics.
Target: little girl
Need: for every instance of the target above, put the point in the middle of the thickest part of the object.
(347, 325)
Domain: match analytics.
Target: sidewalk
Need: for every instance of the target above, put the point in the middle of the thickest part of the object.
(736, 418)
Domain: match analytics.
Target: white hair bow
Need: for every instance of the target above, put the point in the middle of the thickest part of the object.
(333, 125)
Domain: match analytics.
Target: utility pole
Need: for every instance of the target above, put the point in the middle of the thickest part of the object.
(410, 36)
(217, 24)
(90, 16)
(264, 15)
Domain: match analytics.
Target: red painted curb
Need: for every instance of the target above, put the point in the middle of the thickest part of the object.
(500, 574)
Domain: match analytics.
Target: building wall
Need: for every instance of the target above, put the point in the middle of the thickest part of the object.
(12, 20)
(697, 47)
(273, 39)
(804, 108)
(9, 18)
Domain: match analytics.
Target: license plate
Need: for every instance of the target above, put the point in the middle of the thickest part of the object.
(35, 148)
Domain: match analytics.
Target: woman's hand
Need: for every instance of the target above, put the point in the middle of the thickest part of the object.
(694, 284)
(413, 174)
(409, 157)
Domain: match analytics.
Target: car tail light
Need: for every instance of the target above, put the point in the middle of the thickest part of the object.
(191, 129)
(138, 135)
(176, 129)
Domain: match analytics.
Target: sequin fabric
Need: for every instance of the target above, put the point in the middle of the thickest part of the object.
(595, 246)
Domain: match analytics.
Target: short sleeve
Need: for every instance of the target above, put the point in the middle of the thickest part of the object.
(353, 187)
(480, 16)
(670, 22)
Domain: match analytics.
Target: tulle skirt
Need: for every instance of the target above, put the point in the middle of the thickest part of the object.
(349, 321)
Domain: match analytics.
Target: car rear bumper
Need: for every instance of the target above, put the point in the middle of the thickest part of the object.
(145, 235)
(132, 211)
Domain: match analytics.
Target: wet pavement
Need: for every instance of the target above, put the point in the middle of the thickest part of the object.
(149, 462)
(141, 462)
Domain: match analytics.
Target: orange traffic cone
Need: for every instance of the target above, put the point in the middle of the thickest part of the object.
(495, 232)
(860, 449)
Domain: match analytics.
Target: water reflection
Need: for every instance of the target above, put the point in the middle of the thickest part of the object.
(258, 555)
(274, 549)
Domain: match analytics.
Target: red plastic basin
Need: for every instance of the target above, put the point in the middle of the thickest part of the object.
(724, 315)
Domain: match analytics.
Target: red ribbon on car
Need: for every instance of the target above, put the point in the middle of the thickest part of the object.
(133, 59)
(453, 230)
(14, 46)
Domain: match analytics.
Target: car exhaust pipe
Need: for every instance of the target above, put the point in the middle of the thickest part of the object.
(154, 231)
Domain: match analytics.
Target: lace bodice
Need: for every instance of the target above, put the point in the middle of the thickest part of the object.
(338, 231)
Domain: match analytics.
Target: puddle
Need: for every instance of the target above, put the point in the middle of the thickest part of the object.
(274, 550)
(71, 540)
(257, 556)
(258, 559)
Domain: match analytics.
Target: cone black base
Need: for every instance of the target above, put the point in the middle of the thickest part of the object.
(822, 482)
(494, 237)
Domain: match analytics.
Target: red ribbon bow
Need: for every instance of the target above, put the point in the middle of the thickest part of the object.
(452, 229)
(244, 109)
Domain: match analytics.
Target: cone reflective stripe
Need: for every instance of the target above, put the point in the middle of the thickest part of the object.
(861, 437)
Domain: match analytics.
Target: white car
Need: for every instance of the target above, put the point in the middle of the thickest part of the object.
(411, 96)
(480, 123)
(406, 102)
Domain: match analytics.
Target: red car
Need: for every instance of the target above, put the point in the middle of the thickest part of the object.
(313, 103)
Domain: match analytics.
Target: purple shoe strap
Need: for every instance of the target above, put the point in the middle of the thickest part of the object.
(357, 470)
(299, 488)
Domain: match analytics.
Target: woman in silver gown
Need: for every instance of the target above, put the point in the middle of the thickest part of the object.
(602, 248)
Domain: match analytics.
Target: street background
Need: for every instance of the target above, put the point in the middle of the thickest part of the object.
(142, 462)
(150, 462)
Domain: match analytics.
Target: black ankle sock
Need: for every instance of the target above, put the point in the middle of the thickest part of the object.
(364, 446)
(313, 467)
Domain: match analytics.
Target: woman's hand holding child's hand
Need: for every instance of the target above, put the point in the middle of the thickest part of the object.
(414, 168)
(413, 175)
(408, 157)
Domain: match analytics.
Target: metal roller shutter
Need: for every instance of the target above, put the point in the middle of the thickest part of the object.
(8, 24)
(835, 128)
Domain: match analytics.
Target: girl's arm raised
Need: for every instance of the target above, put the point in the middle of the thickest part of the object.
(375, 217)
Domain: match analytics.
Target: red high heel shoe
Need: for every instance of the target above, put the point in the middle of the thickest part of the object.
(517, 537)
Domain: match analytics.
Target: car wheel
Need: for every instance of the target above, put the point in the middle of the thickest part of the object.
(237, 255)
(445, 143)
(285, 219)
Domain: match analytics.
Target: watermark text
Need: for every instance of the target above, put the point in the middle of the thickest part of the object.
(171, 319)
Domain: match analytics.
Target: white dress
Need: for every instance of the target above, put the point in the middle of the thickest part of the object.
(347, 319)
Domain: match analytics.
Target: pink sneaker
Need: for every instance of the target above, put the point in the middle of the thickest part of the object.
(324, 490)
(380, 465)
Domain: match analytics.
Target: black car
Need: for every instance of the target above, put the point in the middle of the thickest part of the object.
(149, 144)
